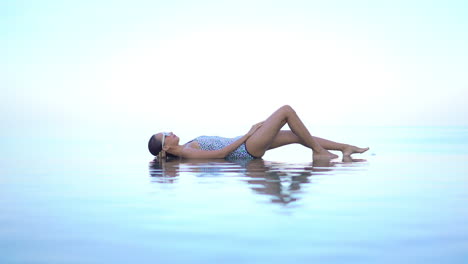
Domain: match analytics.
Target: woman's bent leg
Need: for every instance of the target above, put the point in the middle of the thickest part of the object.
(264, 137)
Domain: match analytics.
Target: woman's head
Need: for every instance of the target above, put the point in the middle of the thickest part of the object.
(162, 142)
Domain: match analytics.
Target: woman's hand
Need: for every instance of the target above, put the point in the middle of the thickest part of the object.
(254, 128)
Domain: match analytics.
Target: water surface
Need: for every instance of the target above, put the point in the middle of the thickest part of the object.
(404, 201)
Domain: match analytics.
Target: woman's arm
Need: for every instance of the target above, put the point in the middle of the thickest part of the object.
(188, 152)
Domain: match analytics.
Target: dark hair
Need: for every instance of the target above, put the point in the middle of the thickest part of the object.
(154, 145)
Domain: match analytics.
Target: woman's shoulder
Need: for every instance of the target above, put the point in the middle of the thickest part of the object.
(193, 144)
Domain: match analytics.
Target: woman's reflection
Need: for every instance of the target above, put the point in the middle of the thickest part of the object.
(164, 171)
(280, 181)
(277, 180)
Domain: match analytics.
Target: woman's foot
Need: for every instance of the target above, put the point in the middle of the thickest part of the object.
(324, 154)
(353, 149)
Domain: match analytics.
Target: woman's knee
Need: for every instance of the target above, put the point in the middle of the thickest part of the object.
(287, 109)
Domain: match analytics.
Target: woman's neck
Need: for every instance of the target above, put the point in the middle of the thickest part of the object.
(176, 150)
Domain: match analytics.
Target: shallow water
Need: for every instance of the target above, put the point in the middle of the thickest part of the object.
(404, 201)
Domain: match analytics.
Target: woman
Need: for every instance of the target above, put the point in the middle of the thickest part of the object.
(261, 137)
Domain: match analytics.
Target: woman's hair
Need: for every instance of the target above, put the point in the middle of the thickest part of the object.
(155, 147)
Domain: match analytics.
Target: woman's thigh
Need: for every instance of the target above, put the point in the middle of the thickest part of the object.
(263, 138)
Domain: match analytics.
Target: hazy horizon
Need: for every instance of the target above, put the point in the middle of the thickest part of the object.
(220, 66)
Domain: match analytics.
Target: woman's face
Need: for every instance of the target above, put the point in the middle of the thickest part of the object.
(170, 139)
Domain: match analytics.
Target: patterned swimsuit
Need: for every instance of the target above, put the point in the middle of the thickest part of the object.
(215, 143)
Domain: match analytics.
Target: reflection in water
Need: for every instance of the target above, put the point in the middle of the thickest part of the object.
(281, 181)
(164, 171)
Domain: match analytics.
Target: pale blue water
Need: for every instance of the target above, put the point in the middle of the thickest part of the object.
(105, 203)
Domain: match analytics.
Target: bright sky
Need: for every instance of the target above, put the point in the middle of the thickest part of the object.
(219, 65)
